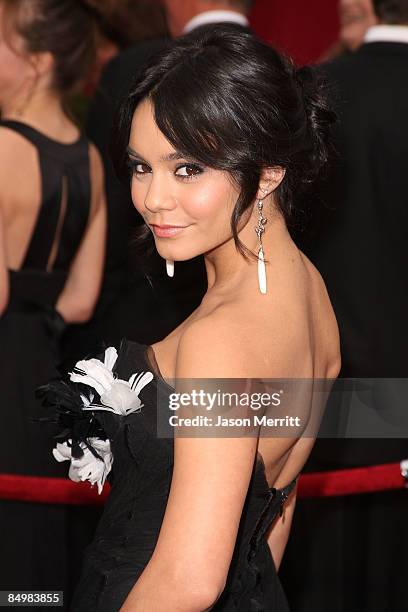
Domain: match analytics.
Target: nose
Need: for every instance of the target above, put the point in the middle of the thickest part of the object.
(158, 196)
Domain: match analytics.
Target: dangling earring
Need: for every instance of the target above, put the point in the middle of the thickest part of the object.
(259, 229)
(170, 267)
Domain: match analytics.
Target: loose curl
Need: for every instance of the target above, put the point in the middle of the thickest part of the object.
(230, 101)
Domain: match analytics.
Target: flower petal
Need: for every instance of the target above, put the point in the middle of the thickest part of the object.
(111, 355)
(121, 398)
(144, 380)
(94, 373)
(89, 467)
(62, 452)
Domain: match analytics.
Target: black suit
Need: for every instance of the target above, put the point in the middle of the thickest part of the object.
(357, 239)
(359, 247)
(354, 547)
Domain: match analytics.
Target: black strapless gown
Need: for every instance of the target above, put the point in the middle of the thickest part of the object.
(129, 527)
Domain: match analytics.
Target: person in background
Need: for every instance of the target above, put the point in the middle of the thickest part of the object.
(356, 16)
(358, 560)
(143, 303)
(122, 24)
(52, 244)
(185, 15)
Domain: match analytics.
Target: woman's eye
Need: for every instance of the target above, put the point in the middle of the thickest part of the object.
(140, 168)
(189, 171)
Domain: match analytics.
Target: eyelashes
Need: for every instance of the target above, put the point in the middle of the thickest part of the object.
(140, 169)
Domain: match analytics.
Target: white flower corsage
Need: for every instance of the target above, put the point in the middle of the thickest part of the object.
(90, 455)
(116, 395)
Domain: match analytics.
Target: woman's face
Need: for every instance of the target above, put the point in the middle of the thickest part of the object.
(16, 72)
(168, 189)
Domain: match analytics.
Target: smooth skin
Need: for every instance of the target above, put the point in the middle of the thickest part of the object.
(235, 332)
(27, 95)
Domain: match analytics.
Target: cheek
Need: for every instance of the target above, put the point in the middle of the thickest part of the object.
(209, 200)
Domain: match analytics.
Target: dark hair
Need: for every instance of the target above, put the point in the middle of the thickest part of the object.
(65, 28)
(228, 100)
(391, 11)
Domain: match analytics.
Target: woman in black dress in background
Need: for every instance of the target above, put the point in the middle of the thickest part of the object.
(220, 134)
(52, 237)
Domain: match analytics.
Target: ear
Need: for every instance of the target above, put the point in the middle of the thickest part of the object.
(270, 179)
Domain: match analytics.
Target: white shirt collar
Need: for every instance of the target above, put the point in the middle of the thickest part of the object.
(387, 33)
(215, 17)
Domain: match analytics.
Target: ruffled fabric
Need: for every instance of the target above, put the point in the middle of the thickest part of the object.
(87, 411)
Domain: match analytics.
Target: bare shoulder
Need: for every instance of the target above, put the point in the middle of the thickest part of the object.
(240, 339)
(19, 169)
(12, 144)
(210, 347)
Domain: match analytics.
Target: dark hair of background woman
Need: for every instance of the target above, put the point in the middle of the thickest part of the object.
(70, 29)
(227, 100)
(65, 28)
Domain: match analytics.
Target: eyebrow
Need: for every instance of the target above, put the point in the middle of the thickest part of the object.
(164, 158)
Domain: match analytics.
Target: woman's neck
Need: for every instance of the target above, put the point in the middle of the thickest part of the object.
(44, 111)
(228, 271)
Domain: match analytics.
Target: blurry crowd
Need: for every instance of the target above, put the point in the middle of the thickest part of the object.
(73, 280)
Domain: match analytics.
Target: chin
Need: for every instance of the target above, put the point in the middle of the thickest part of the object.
(174, 255)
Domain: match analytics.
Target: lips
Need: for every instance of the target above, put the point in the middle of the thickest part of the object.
(167, 226)
(167, 231)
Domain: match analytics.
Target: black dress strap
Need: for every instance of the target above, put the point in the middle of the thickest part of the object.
(65, 175)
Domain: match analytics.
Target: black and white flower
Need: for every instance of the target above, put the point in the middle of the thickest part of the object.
(89, 418)
(116, 395)
(88, 467)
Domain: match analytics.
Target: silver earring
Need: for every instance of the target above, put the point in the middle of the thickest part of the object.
(259, 229)
(170, 267)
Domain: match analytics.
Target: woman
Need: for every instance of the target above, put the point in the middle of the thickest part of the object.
(221, 134)
(52, 237)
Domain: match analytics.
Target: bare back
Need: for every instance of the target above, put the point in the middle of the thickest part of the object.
(289, 333)
(45, 198)
(53, 215)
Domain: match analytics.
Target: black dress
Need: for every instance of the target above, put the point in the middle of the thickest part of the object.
(140, 479)
(34, 536)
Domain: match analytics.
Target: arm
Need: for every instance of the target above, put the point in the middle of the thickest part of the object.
(208, 490)
(4, 281)
(78, 298)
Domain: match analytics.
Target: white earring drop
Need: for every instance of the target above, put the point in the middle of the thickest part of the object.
(259, 229)
(170, 267)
